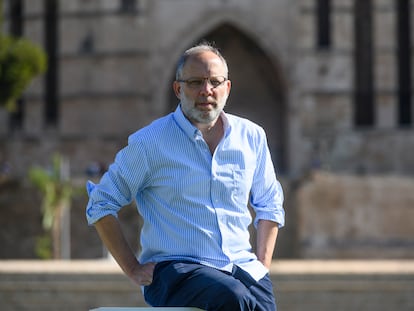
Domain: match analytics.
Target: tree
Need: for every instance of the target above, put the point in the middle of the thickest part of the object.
(20, 62)
(57, 191)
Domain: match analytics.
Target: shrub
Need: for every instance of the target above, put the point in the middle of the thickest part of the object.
(20, 61)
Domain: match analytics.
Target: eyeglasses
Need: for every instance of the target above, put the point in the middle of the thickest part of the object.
(195, 83)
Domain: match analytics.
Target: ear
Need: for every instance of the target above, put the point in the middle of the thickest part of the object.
(228, 85)
(177, 89)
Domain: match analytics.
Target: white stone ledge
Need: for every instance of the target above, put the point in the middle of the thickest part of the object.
(146, 309)
(278, 267)
(342, 267)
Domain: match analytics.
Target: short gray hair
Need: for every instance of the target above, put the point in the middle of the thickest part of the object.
(197, 49)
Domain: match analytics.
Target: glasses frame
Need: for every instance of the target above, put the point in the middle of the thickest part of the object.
(208, 79)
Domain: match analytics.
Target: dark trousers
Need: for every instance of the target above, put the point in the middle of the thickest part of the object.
(186, 284)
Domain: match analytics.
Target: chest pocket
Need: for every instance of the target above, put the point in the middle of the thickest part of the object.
(242, 183)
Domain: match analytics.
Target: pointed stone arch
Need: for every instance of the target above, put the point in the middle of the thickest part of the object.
(258, 88)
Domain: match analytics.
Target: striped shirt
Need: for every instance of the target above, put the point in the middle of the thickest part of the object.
(193, 203)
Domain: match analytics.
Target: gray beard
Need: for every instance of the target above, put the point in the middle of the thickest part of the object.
(198, 116)
(203, 117)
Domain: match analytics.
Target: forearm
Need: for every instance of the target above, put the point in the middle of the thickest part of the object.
(266, 241)
(111, 234)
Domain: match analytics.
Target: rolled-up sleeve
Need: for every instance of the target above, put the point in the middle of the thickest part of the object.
(118, 186)
(266, 193)
(273, 210)
(98, 206)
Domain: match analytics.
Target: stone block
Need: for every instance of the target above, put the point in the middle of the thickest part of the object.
(103, 75)
(342, 31)
(34, 30)
(310, 285)
(33, 123)
(386, 111)
(103, 34)
(306, 30)
(385, 71)
(146, 309)
(384, 25)
(103, 117)
(362, 216)
(325, 72)
(77, 6)
(325, 112)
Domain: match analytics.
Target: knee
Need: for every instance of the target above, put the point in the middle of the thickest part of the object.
(233, 298)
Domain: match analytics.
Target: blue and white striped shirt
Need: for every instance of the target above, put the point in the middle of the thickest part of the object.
(193, 203)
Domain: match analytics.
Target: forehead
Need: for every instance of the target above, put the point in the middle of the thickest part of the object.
(204, 64)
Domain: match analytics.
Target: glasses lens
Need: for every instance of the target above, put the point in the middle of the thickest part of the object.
(195, 83)
(216, 81)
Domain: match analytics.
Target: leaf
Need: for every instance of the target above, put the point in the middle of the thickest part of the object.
(20, 61)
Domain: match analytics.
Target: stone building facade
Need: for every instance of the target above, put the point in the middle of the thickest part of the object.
(330, 81)
(115, 60)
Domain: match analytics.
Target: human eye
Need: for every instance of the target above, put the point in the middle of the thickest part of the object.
(194, 82)
(216, 81)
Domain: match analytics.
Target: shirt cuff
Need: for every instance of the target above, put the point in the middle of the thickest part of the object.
(278, 217)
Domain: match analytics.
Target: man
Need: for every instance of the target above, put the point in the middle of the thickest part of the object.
(192, 174)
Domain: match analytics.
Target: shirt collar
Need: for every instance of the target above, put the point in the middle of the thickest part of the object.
(190, 130)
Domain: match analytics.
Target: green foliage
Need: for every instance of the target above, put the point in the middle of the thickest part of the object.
(55, 189)
(57, 192)
(20, 62)
(44, 247)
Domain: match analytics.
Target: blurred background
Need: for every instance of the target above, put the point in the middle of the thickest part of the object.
(329, 80)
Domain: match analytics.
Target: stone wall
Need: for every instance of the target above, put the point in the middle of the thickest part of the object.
(116, 66)
(21, 224)
(327, 216)
(323, 90)
(345, 216)
(299, 285)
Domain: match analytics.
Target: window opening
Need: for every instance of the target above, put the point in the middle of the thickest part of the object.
(323, 24)
(51, 78)
(364, 81)
(404, 62)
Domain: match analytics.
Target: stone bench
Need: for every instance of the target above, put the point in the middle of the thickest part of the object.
(146, 309)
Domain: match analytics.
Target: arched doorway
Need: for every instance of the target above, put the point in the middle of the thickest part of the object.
(258, 91)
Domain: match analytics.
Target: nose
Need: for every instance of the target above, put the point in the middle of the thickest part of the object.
(206, 87)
